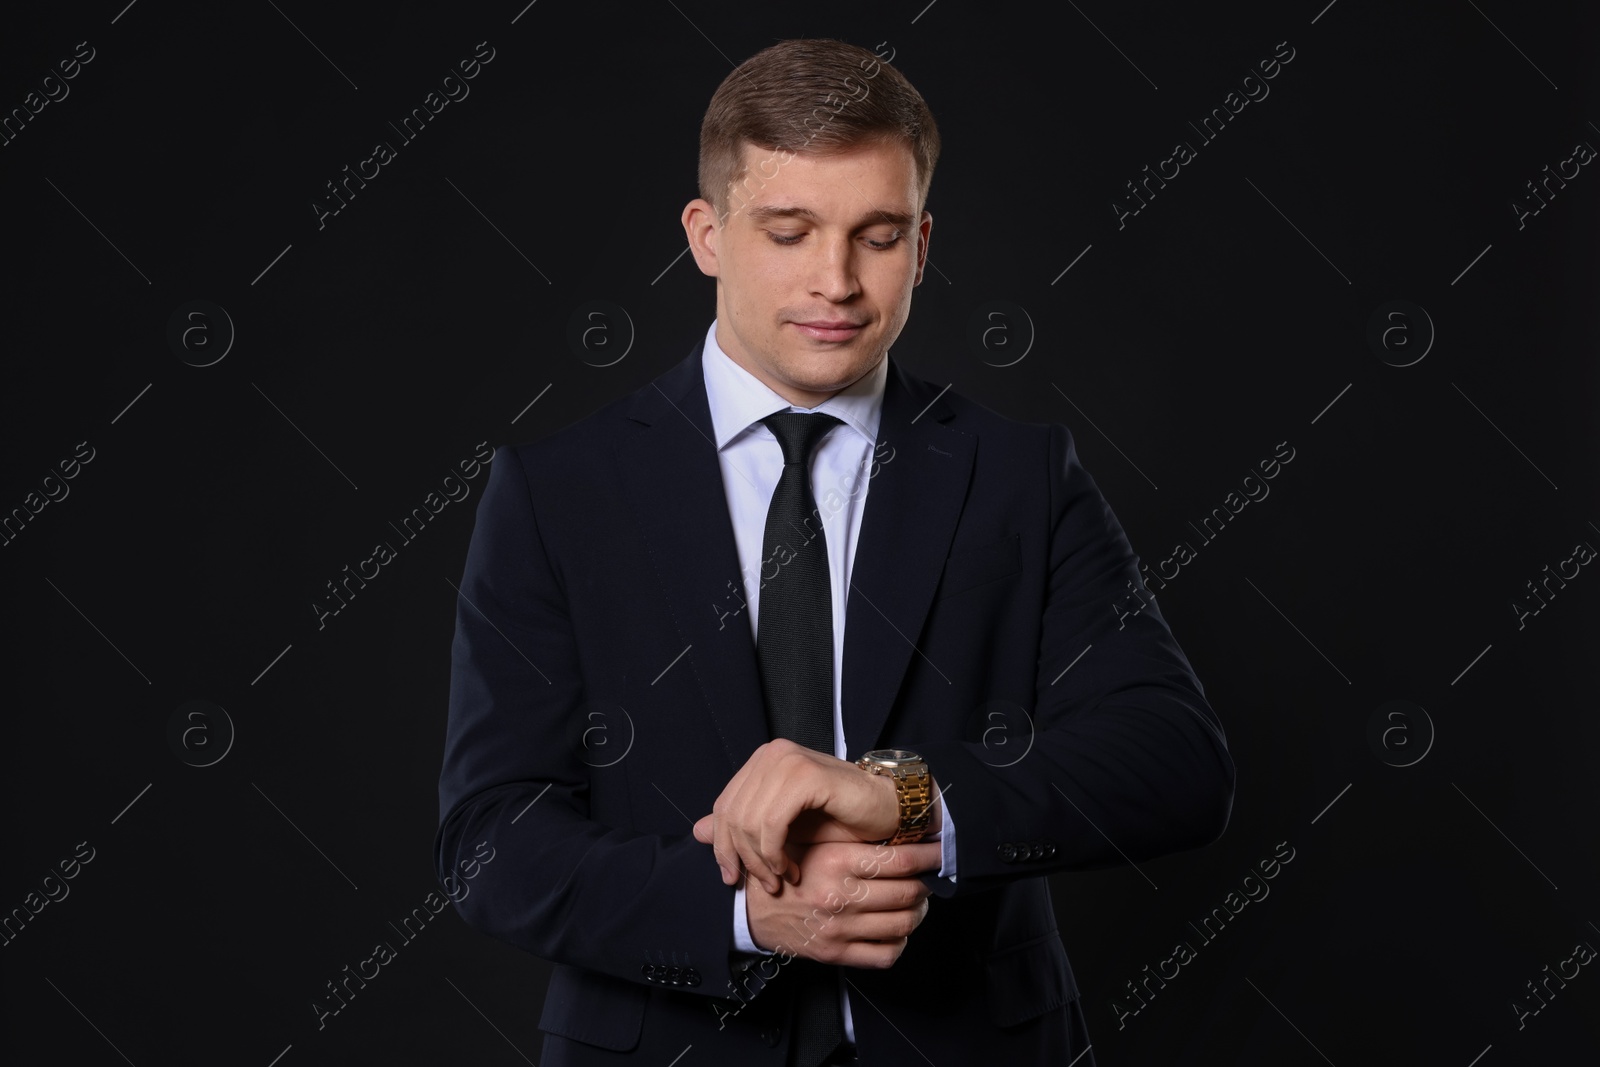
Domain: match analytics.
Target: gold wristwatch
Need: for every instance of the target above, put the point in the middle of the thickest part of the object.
(912, 785)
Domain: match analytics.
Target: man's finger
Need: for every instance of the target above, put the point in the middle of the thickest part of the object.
(755, 864)
(885, 894)
(722, 847)
(762, 812)
(900, 861)
(705, 833)
(744, 854)
(773, 837)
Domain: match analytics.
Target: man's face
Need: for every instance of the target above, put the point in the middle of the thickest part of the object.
(815, 263)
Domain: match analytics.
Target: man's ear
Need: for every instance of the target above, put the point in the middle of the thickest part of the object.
(701, 226)
(924, 229)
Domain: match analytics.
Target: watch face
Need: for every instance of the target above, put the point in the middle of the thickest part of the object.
(894, 757)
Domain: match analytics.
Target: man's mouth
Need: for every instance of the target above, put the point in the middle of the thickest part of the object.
(829, 329)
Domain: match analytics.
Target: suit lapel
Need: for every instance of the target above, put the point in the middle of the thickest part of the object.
(674, 480)
(912, 506)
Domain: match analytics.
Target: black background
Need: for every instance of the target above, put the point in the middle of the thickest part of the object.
(374, 353)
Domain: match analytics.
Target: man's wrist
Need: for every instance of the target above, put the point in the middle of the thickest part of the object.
(891, 806)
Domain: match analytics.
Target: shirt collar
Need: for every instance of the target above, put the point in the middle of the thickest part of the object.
(739, 400)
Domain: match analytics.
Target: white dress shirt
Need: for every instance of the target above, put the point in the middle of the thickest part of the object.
(751, 461)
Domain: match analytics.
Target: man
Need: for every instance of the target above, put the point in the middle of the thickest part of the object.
(686, 616)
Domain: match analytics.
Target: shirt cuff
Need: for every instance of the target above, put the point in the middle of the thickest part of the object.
(741, 925)
(946, 836)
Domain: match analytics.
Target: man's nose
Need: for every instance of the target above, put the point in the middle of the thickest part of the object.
(834, 272)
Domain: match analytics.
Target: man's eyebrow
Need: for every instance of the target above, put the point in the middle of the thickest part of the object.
(899, 220)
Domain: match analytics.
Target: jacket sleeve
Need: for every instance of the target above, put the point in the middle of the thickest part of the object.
(1129, 761)
(649, 908)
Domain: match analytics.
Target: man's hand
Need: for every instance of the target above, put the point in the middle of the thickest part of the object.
(751, 821)
(853, 904)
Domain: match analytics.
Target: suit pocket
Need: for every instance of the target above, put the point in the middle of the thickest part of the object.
(1029, 979)
(594, 1008)
(976, 566)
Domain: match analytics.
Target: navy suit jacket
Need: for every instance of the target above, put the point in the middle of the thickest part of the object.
(604, 689)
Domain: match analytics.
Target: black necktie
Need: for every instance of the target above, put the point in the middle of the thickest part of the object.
(794, 645)
(794, 632)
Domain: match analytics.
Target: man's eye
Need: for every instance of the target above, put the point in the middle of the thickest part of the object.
(785, 239)
(888, 242)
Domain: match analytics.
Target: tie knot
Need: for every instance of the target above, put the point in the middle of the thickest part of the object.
(798, 433)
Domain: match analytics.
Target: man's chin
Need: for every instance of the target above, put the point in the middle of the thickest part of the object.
(837, 377)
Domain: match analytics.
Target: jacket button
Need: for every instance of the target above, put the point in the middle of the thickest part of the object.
(649, 972)
(770, 1036)
(1035, 851)
(1050, 851)
(691, 977)
(1008, 853)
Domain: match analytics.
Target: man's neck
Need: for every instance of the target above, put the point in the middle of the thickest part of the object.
(800, 398)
